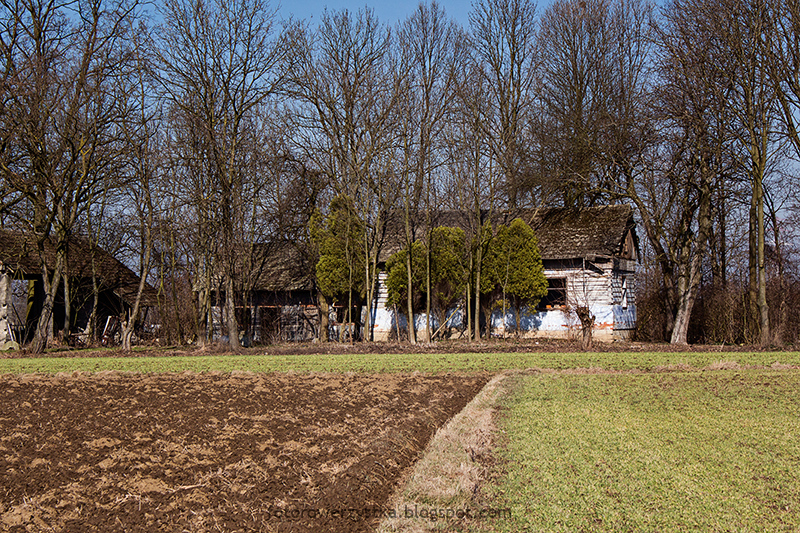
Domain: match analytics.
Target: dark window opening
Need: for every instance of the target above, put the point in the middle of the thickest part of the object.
(556, 294)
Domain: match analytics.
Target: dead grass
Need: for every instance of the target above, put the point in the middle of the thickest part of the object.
(724, 365)
(680, 367)
(453, 467)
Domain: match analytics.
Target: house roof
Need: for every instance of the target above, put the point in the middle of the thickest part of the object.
(582, 233)
(18, 251)
(280, 266)
(563, 233)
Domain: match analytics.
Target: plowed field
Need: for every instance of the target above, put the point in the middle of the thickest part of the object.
(213, 452)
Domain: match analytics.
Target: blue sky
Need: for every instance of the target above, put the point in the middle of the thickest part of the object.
(387, 11)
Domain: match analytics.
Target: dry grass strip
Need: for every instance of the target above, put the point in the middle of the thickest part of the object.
(451, 470)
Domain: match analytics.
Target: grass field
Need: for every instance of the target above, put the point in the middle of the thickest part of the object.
(688, 451)
(462, 362)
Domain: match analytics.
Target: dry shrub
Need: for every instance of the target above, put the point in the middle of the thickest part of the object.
(719, 316)
(176, 311)
(651, 322)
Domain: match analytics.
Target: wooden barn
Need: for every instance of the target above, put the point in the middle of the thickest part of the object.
(276, 299)
(22, 289)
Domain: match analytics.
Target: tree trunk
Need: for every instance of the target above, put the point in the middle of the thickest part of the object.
(468, 302)
(373, 282)
(324, 315)
(44, 326)
(783, 309)
(5, 292)
(587, 326)
(682, 316)
(367, 288)
(65, 332)
(428, 282)
(752, 265)
(478, 261)
(127, 331)
(504, 314)
(91, 327)
(230, 315)
(763, 306)
(689, 279)
(411, 324)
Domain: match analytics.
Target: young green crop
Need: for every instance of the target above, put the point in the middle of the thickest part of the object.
(455, 362)
(697, 451)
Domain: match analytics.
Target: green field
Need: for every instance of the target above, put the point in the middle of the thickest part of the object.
(689, 451)
(475, 362)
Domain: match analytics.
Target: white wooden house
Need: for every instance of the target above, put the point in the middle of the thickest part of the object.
(589, 257)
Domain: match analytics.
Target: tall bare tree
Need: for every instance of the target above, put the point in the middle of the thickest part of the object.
(140, 131)
(472, 178)
(61, 111)
(504, 40)
(432, 53)
(784, 65)
(745, 30)
(575, 47)
(221, 61)
(346, 94)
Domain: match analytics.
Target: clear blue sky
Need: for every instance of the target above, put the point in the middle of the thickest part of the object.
(387, 11)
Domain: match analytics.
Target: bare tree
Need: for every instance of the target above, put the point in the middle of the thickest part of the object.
(141, 135)
(784, 64)
(744, 31)
(61, 109)
(432, 52)
(504, 40)
(221, 61)
(576, 49)
(674, 195)
(346, 92)
(472, 178)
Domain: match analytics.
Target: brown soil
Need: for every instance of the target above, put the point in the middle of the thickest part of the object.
(213, 452)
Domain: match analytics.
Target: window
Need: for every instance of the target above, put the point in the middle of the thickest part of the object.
(556, 294)
(624, 298)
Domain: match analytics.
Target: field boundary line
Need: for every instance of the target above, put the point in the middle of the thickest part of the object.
(453, 466)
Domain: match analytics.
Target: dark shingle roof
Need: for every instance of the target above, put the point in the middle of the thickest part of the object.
(580, 233)
(563, 233)
(281, 266)
(18, 251)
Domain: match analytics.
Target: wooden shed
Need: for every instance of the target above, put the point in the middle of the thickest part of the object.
(20, 261)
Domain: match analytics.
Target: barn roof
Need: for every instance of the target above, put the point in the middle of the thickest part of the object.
(18, 251)
(281, 266)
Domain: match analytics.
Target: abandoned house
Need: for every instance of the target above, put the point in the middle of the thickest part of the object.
(589, 257)
(22, 289)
